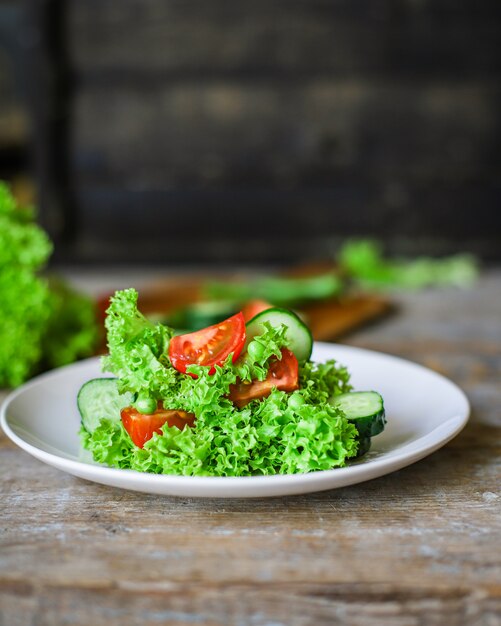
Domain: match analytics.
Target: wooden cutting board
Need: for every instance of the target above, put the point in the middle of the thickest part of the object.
(328, 319)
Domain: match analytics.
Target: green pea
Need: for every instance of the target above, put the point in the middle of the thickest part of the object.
(145, 404)
(255, 350)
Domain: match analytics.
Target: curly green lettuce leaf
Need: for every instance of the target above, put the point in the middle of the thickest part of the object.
(110, 444)
(22, 242)
(43, 323)
(255, 361)
(280, 434)
(25, 309)
(205, 393)
(137, 347)
(321, 381)
(25, 303)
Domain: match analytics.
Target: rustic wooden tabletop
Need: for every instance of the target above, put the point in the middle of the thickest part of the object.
(419, 546)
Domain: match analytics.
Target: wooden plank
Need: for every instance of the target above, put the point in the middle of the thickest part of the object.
(282, 37)
(287, 225)
(315, 133)
(312, 163)
(419, 546)
(294, 605)
(430, 531)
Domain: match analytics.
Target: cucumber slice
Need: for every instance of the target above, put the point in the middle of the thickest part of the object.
(298, 334)
(365, 409)
(364, 445)
(202, 314)
(98, 399)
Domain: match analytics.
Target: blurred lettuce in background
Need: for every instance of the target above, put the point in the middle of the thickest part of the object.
(364, 262)
(43, 322)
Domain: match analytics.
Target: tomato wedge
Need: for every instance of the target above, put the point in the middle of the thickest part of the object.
(253, 307)
(283, 374)
(209, 346)
(141, 426)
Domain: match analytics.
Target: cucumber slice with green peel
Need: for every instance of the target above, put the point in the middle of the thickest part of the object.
(364, 445)
(299, 338)
(365, 409)
(98, 399)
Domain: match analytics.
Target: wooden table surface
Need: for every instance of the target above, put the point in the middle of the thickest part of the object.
(419, 546)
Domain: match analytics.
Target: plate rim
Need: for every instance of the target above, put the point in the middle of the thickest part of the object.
(352, 474)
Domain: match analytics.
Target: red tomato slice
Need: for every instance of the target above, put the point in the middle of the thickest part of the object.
(141, 426)
(209, 346)
(283, 374)
(253, 307)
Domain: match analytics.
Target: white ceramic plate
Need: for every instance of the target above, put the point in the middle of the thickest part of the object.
(424, 411)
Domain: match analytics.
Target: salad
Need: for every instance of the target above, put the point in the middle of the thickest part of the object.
(238, 398)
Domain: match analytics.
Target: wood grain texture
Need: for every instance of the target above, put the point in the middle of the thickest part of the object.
(315, 132)
(283, 37)
(312, 160)
(417, 547)
(170, 226)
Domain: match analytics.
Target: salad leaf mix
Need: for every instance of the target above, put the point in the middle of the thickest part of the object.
(294, 427)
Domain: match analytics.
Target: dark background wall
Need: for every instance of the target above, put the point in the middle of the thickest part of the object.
(264, 130)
